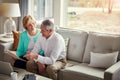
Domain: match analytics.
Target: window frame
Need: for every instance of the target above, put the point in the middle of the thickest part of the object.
(44, 9)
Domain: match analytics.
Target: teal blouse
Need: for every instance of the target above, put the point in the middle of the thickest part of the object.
(23, 43)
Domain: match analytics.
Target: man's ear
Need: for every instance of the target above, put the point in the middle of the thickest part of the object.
(50, 30)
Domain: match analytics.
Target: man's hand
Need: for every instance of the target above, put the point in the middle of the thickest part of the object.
(33, 56)
(41, 68)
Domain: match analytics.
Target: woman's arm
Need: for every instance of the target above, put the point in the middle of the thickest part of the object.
(20, 48)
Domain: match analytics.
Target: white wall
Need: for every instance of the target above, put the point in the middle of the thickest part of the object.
(2, 19)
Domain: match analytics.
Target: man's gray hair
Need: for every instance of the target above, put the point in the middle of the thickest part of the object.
(48, 24)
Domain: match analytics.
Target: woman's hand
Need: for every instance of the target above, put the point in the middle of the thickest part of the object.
(27, 56)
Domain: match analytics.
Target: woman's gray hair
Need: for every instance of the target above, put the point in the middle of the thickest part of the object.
(48, 24)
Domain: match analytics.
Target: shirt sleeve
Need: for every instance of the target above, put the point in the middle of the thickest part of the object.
(56, 52)
(37, 46)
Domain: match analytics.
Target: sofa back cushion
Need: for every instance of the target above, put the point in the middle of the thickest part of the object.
(101, 43)
(76, 45)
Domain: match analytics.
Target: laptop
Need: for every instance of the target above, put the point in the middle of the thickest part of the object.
(5, 68)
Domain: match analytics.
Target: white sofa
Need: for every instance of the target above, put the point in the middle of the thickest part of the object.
(80, 45)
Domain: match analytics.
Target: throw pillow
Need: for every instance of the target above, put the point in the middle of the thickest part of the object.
(103, 60)
(16, 36)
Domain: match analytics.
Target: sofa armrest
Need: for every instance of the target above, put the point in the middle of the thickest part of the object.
(5, 46)
(113, 72)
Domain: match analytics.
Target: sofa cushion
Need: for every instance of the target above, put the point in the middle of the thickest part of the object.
(76, 44)
(4, 77)
(21, 74)
(101, 43)
(83, 71)
(8, 58)
(103, 60)
(67, 44)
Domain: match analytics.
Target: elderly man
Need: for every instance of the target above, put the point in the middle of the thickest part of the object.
(53, 46)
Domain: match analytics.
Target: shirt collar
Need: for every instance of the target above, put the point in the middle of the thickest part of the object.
(51, 36)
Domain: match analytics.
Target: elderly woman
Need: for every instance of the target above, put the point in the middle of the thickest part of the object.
(28, 37)
(27, 41)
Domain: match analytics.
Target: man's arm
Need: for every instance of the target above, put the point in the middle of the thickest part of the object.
(55, 53)
(37, 46)
(34, 53)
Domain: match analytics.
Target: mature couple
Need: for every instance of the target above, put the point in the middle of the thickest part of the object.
(44, 48)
